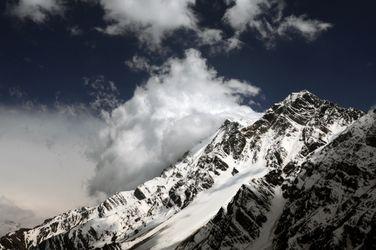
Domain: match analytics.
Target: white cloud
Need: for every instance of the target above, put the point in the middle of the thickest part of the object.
(308, 28)
(181, 104)
(151, 20)
(36, 10)
(49, 155)
(267, 19)
(210, 36)
(216, 42)
(243, 13)
(138, 63)
(233, 43)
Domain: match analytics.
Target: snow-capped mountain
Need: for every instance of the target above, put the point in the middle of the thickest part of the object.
(328, 201)
(280, 181)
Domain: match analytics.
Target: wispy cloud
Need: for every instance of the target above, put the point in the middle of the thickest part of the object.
(75, 31)
(267, 19)
(138, 63)
(308, 28)
(37, 11)
(104, 93)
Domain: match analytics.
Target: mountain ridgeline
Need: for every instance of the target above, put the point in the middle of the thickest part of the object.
(303, 176)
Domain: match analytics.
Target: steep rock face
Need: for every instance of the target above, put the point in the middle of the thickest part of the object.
(328, 201)
(332, 202)
(278, 142)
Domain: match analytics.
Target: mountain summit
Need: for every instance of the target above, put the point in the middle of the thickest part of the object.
(302, 176)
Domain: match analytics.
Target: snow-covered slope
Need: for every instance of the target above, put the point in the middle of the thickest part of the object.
(289, 130)
(327, 201)
(169, 208)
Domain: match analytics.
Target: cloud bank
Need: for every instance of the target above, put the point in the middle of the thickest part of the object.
(13, 217)
(182, 103)
(43, 161)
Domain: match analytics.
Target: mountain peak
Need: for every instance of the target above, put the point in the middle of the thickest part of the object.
(303, 107)
(303, 95)
(297, 102)
(302, 92)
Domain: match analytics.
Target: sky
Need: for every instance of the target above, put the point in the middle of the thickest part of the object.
(94, 93)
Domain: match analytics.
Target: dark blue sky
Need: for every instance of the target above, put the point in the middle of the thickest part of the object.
(45, 60)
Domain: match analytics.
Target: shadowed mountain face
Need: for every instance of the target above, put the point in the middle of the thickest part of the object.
(301, 176)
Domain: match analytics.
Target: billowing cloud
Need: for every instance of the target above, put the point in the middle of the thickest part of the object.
(150, 20)
(182, 103)
(13, 217)
(267, 18)
(37, 11)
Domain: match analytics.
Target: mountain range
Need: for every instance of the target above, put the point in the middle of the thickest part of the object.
(303, 176)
